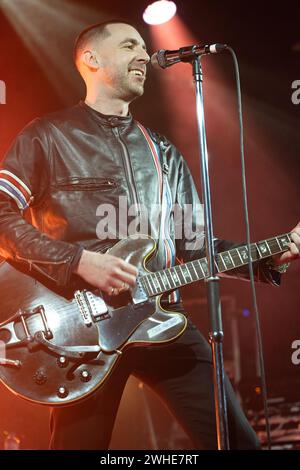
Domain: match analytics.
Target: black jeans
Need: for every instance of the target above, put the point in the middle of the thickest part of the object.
(181, 373)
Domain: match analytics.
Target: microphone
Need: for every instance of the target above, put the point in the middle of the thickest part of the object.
(164, 58)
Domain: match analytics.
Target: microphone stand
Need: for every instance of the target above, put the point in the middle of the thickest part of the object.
(212, 282)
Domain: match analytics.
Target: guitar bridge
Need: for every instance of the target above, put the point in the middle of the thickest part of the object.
(91, 306)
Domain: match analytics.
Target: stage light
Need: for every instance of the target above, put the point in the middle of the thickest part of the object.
(159, 12)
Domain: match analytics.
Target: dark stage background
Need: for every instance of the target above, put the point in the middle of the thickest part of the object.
(36, 66)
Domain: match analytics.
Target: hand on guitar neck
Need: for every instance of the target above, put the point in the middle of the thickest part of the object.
(294, 249)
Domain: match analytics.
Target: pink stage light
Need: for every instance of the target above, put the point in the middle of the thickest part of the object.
(159, 12)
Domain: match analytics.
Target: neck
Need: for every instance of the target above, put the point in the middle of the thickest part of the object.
(99, 100)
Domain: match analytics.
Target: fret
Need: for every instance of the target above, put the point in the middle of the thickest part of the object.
(180, 269)
(155, 282)
(216, 264)
(237, 251)
(165, 274)
(226, 260)
(162, 280)
(184, 270)
(283, 241)
(170, 278)
(203, 273)
(147, 280)
(180, 274)
(243, 251)
(159, 280)
(189, 272)
(254, 252)
(173, 274)
(152, 283)
(203, 264)
(229, 253)
(268, 246)
(188, 267)
(237, 258)
(263, 249)
(193, 265)
(275, 240)
(219, 258)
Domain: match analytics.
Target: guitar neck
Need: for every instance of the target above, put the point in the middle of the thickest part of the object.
(182, 274)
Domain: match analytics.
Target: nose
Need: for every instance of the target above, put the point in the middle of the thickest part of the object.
(144, 56)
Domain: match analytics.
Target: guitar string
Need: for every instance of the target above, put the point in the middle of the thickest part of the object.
(65, 310)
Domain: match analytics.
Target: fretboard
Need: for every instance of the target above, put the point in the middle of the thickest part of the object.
(182, 274)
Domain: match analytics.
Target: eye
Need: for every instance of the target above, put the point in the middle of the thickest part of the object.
(129, 46)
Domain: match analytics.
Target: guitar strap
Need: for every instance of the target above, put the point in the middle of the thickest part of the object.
(158, 146)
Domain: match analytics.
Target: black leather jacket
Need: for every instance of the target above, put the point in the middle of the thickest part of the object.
(69, 163)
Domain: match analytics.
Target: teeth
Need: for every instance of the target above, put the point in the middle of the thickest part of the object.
(137, 72)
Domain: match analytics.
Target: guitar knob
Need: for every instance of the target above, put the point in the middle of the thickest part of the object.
(85, 375)
(62, 361)
(62, 392)
(39, 377)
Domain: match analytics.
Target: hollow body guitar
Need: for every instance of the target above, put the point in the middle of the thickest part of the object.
(59, 346)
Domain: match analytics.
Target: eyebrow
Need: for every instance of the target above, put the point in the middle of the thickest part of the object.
(133, 41)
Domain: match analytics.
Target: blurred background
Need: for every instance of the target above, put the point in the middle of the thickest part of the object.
(36, 67)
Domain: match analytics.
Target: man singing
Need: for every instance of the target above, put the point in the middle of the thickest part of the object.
(62, 169)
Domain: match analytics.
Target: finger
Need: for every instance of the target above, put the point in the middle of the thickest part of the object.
(124, 287)
(117, 290)
(128, 279)
(296, 238)
(125, 277)
(129, 268)
(116, 283)
(112, 291)
(294, 250)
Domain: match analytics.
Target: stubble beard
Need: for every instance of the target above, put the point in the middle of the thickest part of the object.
(130, 90)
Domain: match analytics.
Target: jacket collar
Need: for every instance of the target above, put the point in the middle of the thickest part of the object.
(107, 119)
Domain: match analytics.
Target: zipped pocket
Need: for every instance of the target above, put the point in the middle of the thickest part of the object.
(86, 184)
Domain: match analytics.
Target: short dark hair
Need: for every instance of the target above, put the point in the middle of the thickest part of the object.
(93, 32)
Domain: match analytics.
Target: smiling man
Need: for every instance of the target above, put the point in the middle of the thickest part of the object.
(64, 167)
(113, 64)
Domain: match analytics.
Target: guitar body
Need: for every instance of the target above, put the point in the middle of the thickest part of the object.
(60, 346)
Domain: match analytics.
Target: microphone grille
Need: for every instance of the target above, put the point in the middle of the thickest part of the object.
(158, 59)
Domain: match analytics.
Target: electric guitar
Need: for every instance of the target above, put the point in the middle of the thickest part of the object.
(58, 346)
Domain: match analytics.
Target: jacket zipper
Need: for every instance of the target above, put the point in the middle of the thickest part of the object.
(32, 263)
(76, 185)
(127, 167)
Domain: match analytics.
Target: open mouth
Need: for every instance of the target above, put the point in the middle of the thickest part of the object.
(137, 72)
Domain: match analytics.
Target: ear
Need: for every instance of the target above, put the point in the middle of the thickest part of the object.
(90, 59)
